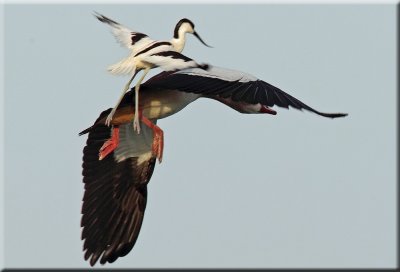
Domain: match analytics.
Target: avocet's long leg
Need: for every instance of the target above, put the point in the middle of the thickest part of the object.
(136, 125)
(110, 116)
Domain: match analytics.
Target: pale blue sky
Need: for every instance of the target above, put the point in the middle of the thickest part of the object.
(291, 190)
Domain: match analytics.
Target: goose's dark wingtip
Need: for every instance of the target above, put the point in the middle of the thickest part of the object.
(335, 115)
(340, 115)
(83, 132)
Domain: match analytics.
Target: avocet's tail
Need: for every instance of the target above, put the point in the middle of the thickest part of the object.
(124, 67)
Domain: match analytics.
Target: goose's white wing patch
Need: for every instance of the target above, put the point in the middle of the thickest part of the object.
(220, 73)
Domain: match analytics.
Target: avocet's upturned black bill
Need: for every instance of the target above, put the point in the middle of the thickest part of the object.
(147, 54)
(200, 39)
(118, 163)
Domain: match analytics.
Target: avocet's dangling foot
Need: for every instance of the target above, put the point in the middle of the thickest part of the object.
(109, 117)
(157, 147)
(136, 124)
(110, 145)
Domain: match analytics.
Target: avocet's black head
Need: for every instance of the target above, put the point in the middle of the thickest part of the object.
(186, 26)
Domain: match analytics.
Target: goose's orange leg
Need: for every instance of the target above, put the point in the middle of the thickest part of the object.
(158, 138)
(157, 147)
(110, 144)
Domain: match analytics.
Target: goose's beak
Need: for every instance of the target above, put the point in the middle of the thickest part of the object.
(198, 37)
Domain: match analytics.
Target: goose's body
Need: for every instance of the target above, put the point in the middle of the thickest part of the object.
(116, 184)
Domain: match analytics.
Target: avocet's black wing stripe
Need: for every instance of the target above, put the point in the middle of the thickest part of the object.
(153, 46)
(172, 61)
(239, 86)
(125, 36)
(115, 197)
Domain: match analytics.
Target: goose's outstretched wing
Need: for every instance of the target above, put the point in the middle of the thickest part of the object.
(115, 195)
(126, 37)
(222, 84)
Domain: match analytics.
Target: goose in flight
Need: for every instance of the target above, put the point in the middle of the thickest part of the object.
(118, 163)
